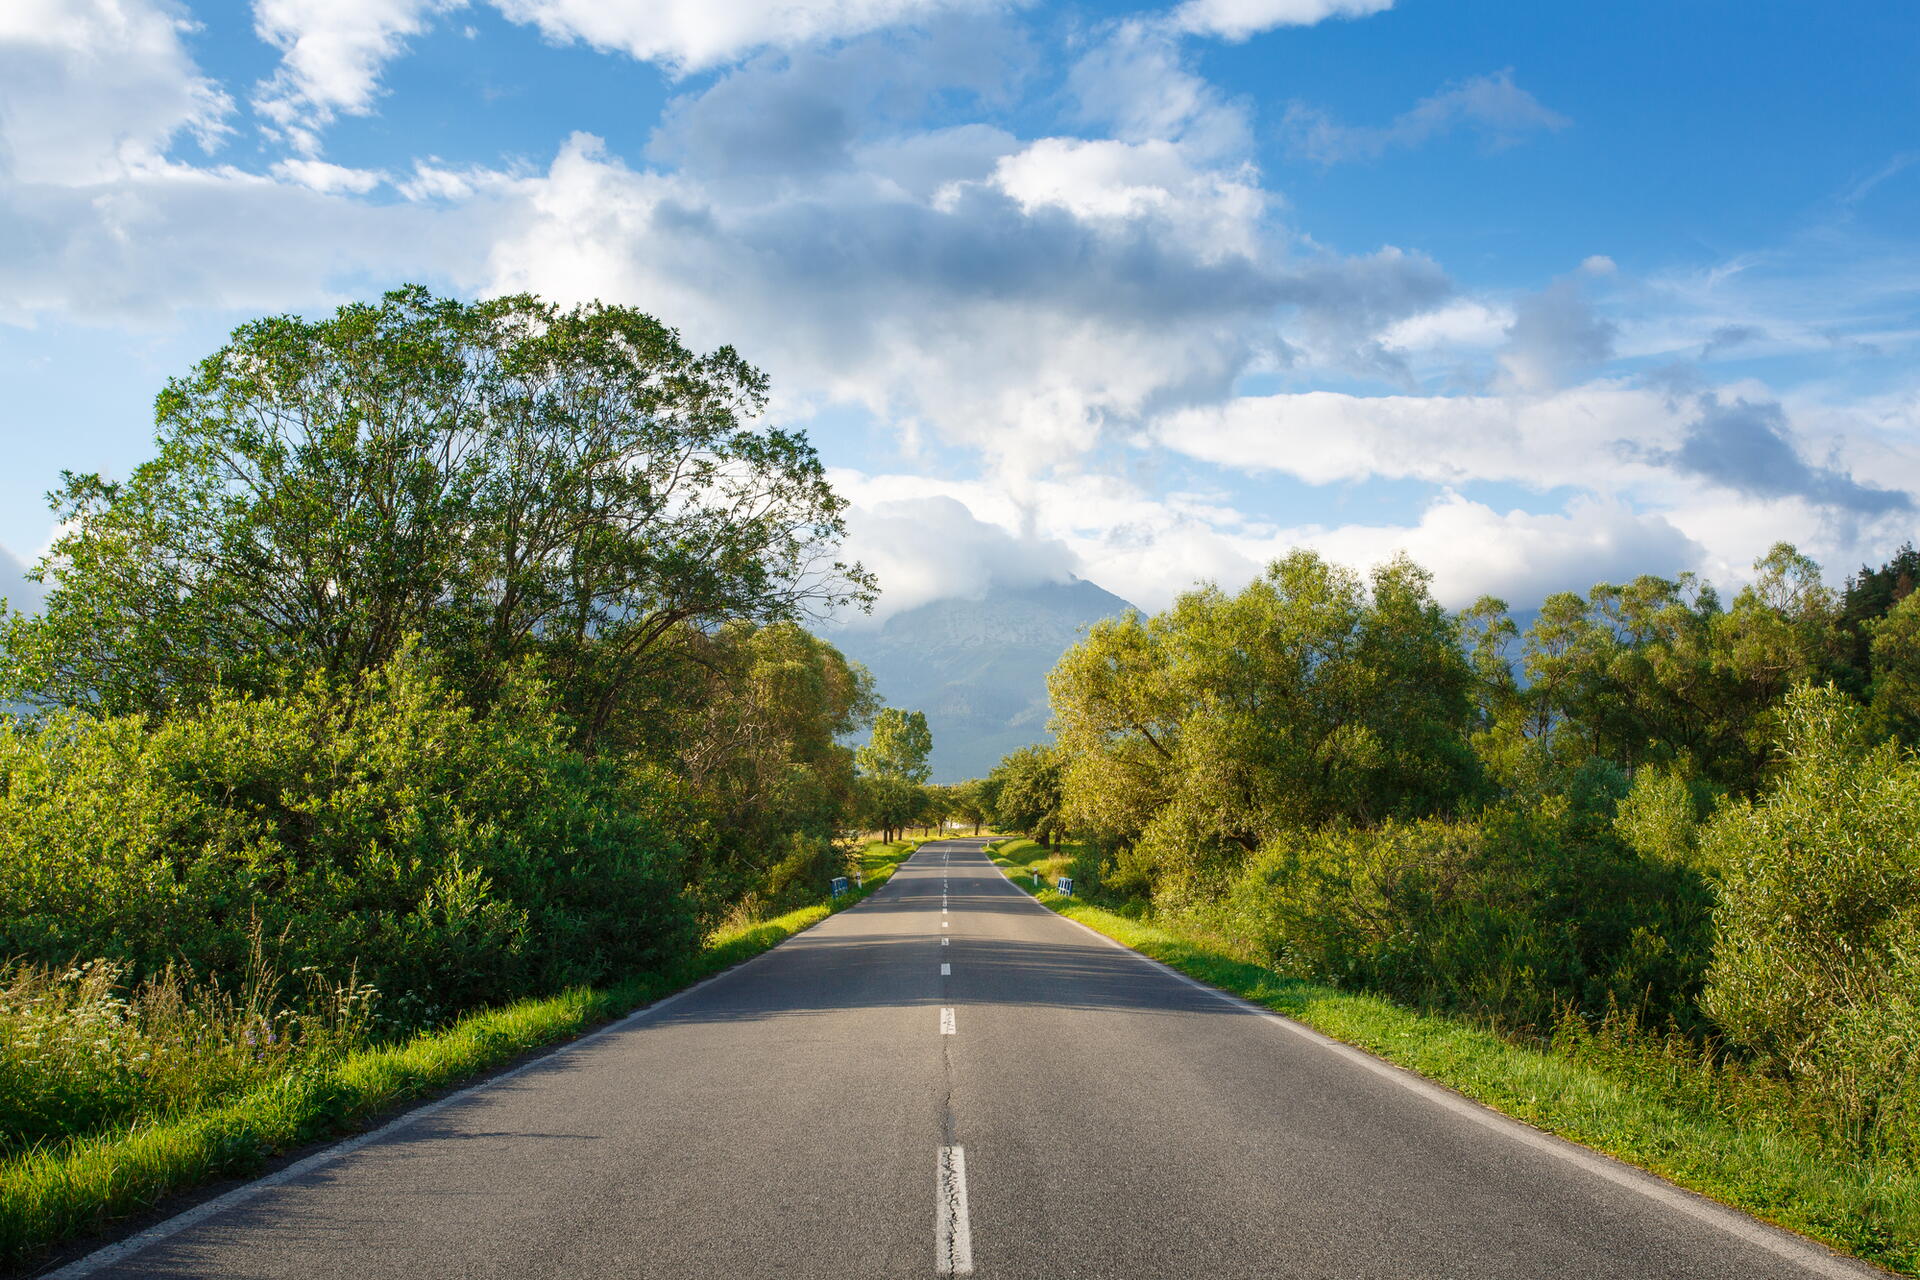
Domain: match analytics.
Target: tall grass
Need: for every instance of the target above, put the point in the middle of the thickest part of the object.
(82, 1050)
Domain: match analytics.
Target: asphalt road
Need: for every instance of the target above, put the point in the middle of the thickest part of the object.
(950, 1077)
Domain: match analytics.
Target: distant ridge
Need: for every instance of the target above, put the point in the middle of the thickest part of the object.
(978, 668)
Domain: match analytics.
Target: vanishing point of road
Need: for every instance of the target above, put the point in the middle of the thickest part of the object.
(950, 1079)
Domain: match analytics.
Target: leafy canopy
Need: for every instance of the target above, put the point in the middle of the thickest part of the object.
(499, 477)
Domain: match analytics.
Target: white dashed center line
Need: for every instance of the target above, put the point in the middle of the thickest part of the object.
(952, 1236)
(946, 1022)
(946, 970)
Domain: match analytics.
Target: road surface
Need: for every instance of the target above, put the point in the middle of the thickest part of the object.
(950, 1079)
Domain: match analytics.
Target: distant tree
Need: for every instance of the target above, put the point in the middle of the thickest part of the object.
(1027, 796)
(1895, 691)
(501, 478)
(1658, 672)
(894, 770)
(970, 803)
(1310, 696)
(899, 747)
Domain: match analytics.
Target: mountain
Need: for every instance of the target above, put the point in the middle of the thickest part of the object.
(978, 668)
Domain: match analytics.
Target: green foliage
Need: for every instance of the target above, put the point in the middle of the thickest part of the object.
(1514, 915)
(1894, 690)
(1816, 967)
(500, 478)
(80, 1050)
(899, 747)
(379, 828)
(754, 726)
(1025, 790)
(1658, 672)
(1309, 697)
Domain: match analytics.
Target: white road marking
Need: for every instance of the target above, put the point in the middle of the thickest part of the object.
(952, 1234)
(945, 941)
(946, 1022)
(946, 970)
(945, 925)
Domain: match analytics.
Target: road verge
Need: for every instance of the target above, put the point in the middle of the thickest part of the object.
(53, 1196)
(1869, 1209)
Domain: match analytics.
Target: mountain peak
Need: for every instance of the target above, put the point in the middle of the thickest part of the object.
(978, 668)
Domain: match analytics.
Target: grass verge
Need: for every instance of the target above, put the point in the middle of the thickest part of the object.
(57, 1194)
(1868, 1208)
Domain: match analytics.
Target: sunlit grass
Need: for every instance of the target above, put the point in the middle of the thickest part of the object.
(1864, 1206)
(60, 1190)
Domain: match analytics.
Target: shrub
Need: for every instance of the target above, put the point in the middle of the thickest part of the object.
(1518, 915)
(448, 857)
(1816, 969)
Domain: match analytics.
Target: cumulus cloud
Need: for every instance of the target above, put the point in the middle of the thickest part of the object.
(1493, 107)
(934, 548)
(326, 178)
(810, 114)
(1077, 286)
(165, 240)
(1571, 438)
(1519, 556)
(93, 89)
(1749, 448)
(696, 35)
(332, 52)
(1240, 19)
(1555, 338)
(1136, 82)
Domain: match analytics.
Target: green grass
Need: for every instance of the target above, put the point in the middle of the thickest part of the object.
(1866, 1207)
(58, 1193)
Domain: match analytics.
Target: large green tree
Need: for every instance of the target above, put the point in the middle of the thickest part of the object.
(894, 769)
(500, 477)
(1310, 696)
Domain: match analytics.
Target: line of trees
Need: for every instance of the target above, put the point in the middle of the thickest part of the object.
(457, 647)
(1655, 810)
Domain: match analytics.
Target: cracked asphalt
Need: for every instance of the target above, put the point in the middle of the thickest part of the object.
(791, 1118)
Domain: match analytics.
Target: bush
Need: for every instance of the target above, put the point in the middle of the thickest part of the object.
(379, 830)
(1519, 915)
(1816, 969)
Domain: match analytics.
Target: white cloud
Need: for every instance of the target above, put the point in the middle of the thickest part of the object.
(933, 547)
(1217, 213)
(173, 238)
(1025, 329)
(93, 89)
(318, 175)
(1574, 437)
(1136, 81)
(1520, 556)
(1239, 19)
(695, 35)
(332, 52)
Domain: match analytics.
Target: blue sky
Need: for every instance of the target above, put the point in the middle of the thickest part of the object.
(1542, 294)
